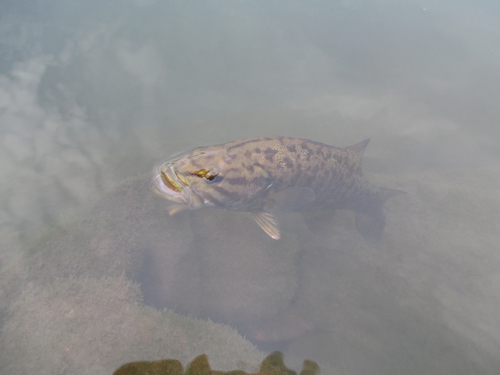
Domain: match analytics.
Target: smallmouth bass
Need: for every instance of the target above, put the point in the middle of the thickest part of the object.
(268, 175)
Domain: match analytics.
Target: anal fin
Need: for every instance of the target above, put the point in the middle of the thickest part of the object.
(319, 222)
(371, 221)
(370, 225)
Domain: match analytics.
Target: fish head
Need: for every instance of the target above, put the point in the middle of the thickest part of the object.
(211, 177)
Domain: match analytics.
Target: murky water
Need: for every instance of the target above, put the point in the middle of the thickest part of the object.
(94, 95)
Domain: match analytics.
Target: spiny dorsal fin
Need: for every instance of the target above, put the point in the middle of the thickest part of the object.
(358, 148)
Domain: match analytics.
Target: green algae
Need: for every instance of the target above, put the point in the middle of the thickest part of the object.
(272, 365)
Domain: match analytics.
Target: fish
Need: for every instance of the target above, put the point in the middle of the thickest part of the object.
(265, 176)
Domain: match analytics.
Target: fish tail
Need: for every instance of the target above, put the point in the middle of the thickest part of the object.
(370, 221)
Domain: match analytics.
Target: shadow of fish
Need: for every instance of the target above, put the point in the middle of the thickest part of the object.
(268, 175)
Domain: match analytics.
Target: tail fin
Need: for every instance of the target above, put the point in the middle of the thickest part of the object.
(370, 222)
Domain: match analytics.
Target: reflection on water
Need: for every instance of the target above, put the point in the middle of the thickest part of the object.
(95, 271)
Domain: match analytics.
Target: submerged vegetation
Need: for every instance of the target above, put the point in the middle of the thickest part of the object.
(271, 365)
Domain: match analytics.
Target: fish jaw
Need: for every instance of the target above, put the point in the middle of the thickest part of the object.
(169, 185)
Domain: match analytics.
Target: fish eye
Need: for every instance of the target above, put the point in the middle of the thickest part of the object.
(214, 179)
(209, 176)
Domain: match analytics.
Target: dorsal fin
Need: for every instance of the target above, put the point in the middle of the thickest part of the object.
(358, 149)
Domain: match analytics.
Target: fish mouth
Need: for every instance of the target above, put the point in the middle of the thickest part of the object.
(168, 184)
(171, 184)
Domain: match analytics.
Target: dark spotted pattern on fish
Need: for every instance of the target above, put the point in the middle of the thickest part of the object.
(271, 174)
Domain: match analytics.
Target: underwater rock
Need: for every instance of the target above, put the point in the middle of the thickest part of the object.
(236, 272)
(203, 262)
(206, 265)
(90, 326)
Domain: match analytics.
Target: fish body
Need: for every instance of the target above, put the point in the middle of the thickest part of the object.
(267, 175)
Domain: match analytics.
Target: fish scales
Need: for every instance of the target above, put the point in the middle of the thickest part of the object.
(266, 175)
(329, 171)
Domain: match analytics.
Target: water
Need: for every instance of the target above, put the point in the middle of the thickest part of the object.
(94, 95)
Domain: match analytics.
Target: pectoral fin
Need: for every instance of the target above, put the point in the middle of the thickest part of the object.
(268, 224)
(289, 200)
